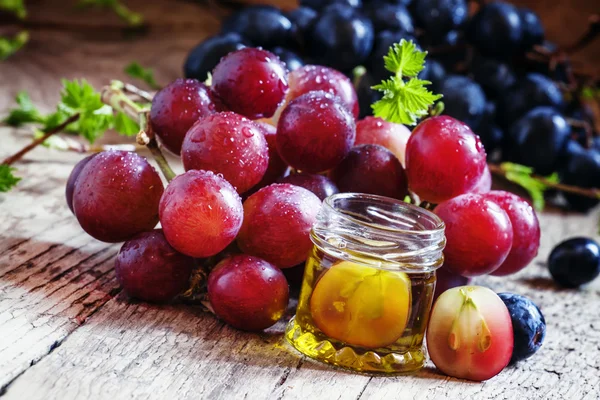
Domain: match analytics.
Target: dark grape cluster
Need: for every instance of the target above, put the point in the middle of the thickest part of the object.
(477, 61)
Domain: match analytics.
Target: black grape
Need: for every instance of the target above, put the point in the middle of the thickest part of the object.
(263, 26)
(292, 60)
(532, 91)
(366, 95)
(302, 19)
(496, 30)
(204, 57)
(581, 169)
(539, 139)
(391, 17)
(341, 38)
(491, 135)
(533, 30)
(463, 99)
(321, 4)
(495, 77)
(434, 72)
(438, 17)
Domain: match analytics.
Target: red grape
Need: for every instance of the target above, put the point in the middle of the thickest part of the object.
(200, 213)
(484, 184)
(315, 132)
(316, 77)
(444, 159)
(320, 185)
(277, 167)
(248, 293)
(73, 178)
(228, 144)
(251, 82)
(479, 234)
(372, 169)
(277, 223)
(446, 279)
(374, 130)
(526, 231)
(116, 196)
(149, 269)
(177, 107)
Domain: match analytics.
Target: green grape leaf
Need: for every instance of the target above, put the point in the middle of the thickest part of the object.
(7, 179)
(404, 102)
(16, 7)
(125, 125)
(79, 97)
(9, 46)
(136, 71)
(130, 17)
(522, 176)
(25, 112)
(404, 59)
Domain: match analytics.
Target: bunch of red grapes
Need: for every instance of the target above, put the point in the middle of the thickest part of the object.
(283, 142)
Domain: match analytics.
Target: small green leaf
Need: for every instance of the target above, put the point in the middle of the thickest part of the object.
(404, 102)
(404, 59)
(9, 46)
(125, 125)
(24, 113)
(7, 179)
(79, 97)
(16, 7)
(130, 17)
(522, 176)
(136, 71)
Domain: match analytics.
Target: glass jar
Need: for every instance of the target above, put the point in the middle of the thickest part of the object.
(368, 284)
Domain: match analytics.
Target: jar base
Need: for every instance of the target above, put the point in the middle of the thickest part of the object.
(346, 357)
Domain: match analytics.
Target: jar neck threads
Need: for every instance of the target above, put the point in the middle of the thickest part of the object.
(380, 232)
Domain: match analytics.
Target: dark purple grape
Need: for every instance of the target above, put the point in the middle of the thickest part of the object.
(149, 269)
(291, 60)
(491, 135)
(73, 178)
(582, 169)
(372, 169)
(342, 38)
(264, 26)
(205, 57)
(463, 99)
(533, 30)
(532, 91)
(366, 95)
(495, 77)
(390, 17)
(302, 19)
(321, 4)
(438, 17)
(117, 195)
(435, 73)
(575, 262)
(320, 185)
(539, 139)
(496, 30)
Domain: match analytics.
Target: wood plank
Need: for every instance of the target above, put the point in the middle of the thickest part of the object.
(129, 350)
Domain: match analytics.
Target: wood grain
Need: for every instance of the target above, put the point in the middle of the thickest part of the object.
(64, 334)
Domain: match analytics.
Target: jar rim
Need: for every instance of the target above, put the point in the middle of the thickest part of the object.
(439, 224)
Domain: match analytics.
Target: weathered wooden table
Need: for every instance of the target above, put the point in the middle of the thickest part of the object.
(66, 331)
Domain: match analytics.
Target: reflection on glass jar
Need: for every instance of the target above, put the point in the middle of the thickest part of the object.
(368, 284)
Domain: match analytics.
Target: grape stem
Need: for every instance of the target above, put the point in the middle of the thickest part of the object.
(586, 126)
(146, 137)
(591, 193)
(132, 89)
(18, 155)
